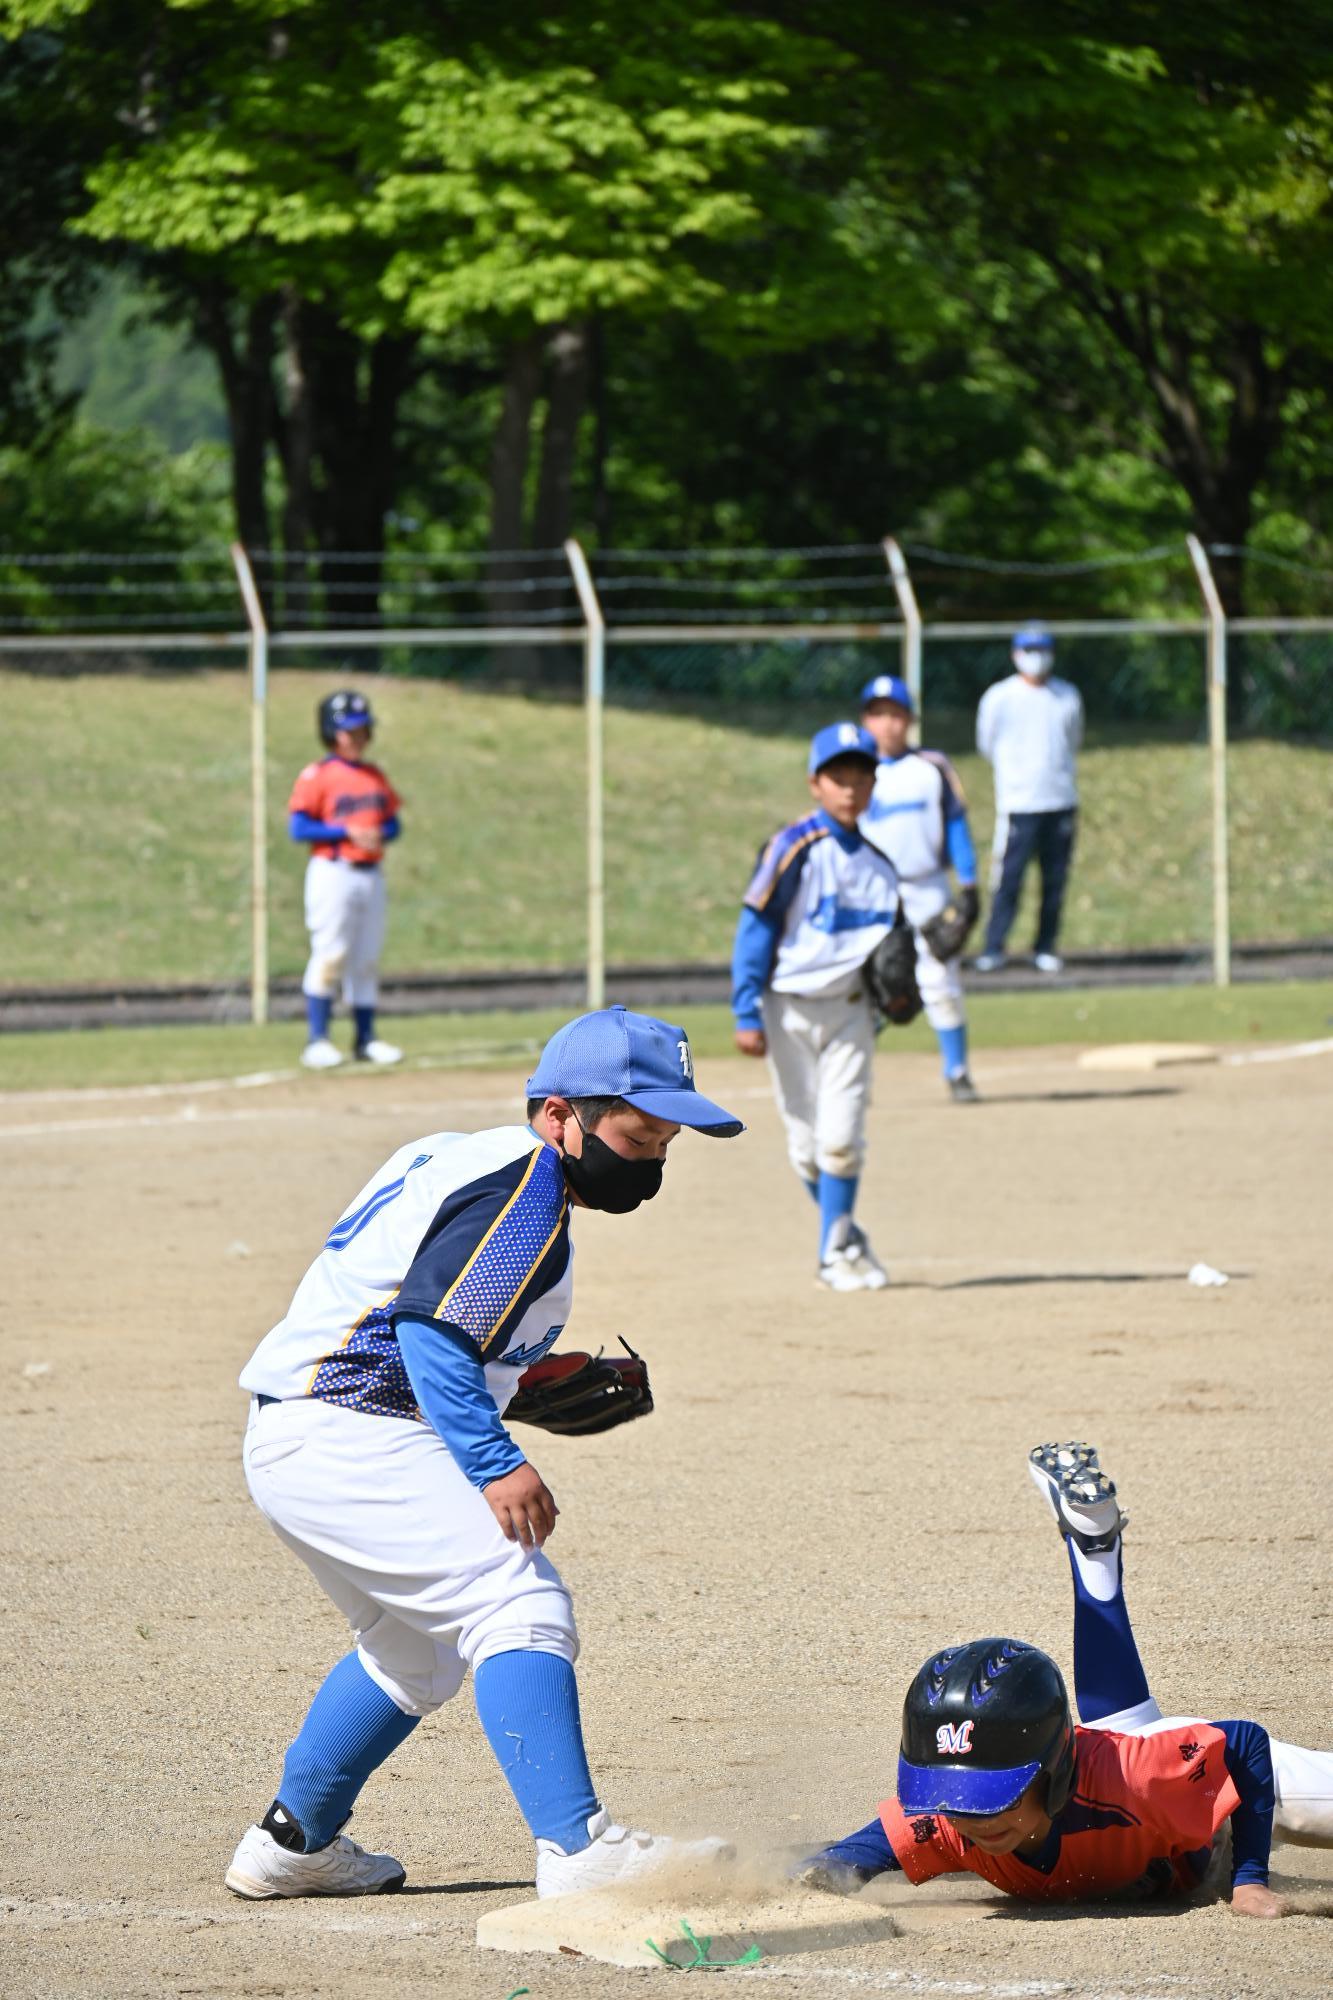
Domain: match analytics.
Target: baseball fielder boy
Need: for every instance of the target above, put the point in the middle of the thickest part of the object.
(995, 1779)
(918, 817)
(1029, 727)
(348, 812)
(376, 1450)
(819, 902)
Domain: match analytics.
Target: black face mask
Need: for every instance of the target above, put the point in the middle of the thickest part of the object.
(602, 1178)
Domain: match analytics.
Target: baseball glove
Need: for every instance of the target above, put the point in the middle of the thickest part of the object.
(577, 1394)
(890, 975)
(948, 930)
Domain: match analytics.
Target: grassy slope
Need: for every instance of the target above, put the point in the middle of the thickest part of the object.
(132, 796)
(118, 1056)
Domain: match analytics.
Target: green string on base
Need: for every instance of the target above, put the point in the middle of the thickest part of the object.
(701, 1960)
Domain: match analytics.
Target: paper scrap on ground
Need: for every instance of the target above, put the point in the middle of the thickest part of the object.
(1204, 1274)
(1146, 1055)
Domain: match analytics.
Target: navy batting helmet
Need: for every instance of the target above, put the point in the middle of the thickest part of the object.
(344, 710)
(980, 1722)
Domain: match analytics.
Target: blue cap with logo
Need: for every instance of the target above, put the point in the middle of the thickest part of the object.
(1033, 639)
(888, 687)
(614, 1053)
(841, 739)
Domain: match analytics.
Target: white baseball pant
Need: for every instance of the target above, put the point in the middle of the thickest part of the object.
(821, 1055)
(344, 914)
(940, 980)
(1302, 1779)
(404, 1545)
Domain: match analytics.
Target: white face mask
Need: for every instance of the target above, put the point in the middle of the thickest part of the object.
(1034, 661)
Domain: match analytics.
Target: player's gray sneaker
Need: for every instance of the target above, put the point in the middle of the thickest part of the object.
(616, 1854)
(1079, 1494)
(260, 1867)
(322, 1054)
(1049, 961)
(849, 1264)
(376, 1051)
(989, 961)
(962, 1089)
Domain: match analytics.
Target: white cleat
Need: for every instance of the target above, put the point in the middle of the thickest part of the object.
(1079, 1494)
(849, 1264)
(260, 1868)
(617, 1854)
(1049, 961)
(383, 1053)
(321, 1055)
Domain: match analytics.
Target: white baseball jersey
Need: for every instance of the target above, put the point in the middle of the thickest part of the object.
(909, 812)
(1030, 732)
(836, 896)
(467, 1228)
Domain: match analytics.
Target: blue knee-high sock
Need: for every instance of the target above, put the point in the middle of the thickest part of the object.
(837, 1197)
(365, 1025)
(351, 1728)
(1108, 1673)
(529, 1707)
(953, 1050)
(318, 1014)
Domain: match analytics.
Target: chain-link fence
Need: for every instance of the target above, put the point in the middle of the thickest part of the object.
(130, 758)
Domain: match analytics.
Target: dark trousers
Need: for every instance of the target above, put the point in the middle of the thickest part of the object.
(1047, 837)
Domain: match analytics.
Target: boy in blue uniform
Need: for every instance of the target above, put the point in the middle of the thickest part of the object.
(820, 900)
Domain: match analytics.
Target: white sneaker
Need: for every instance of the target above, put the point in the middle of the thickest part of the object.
(260, 1868)
(376, 1051)
(616, 1854)
(849, 1264)
(321, 1055)
(989, 961)
(1048, 961)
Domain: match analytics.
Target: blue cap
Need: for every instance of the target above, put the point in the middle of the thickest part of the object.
(1033, 639)
(841, 739)
(614, 1053)
(961, 1788)
(888, 687)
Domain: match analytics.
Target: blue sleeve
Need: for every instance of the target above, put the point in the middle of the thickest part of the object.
(752, 958)
(1249, 1763)
(304, 826)
(962, 854)
(449, 1384)
(390, 828)
(860, 1856)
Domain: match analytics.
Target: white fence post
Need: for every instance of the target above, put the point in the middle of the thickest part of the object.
(594, 699)
(1217, 748)
(907, 604)
(254, 612)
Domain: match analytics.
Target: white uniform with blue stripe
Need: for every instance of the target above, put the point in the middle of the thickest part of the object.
(469, 1231)
(820, 900)
(915, 798)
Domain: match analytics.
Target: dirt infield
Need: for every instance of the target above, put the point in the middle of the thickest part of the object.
(831, 1486)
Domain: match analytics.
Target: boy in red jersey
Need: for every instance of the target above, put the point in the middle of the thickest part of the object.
(995, 1779)
(347, 810)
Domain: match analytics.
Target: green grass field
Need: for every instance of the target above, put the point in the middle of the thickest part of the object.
(131, 792)
(113, 1057)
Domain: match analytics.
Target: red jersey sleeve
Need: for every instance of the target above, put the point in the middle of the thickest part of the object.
(925, 1845)
(310, 792)
(1179, 1780)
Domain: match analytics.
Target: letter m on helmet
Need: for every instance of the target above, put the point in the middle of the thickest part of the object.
(954, 1739)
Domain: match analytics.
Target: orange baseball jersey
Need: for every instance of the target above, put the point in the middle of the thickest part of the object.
(1142, 1816)
(346, 794)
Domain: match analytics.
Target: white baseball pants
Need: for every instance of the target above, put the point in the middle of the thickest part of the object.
(404, 1545)
(821, 1055)
(941, 981)
(344, 914)
(1302, 1779)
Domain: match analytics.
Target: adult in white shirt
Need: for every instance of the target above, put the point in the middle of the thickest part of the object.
(1029, 728)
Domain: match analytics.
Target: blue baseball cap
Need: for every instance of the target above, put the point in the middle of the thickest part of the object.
(1033, 639)
(614, 1053)
(841, 739)
(888, 687)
